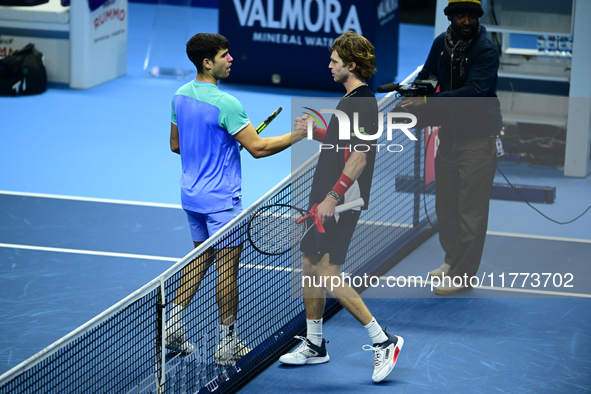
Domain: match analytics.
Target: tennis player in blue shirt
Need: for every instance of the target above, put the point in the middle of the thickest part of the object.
(207, 127)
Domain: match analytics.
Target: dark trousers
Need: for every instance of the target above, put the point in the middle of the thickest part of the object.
(464, 179)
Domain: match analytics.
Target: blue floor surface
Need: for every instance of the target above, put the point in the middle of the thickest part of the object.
(454, 346)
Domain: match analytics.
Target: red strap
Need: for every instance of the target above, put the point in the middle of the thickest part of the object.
(313, 214)
(319, 134)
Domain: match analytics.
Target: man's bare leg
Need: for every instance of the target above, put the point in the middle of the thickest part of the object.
(230, 348)
(314, 297)
(192, 276)
(227, 284)
(345, 294)
(188, 285)
(386, 347)
(313, 349)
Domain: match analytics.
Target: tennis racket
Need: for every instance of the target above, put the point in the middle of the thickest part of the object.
(263, 125)
(272, 229)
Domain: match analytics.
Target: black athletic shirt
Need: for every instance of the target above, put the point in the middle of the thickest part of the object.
(332, 161)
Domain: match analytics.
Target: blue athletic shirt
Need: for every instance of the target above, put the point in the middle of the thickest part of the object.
(207, 119)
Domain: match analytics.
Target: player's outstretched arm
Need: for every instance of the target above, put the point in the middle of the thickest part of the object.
(261, 147)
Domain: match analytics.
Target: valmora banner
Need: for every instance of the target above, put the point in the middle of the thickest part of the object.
(286, 42)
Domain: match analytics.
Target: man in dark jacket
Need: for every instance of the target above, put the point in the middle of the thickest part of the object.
(465, 62)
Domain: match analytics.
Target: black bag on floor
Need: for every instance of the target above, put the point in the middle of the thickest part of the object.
(23, 2)
(23, 73)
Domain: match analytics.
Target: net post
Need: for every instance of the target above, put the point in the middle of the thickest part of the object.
(160, 365)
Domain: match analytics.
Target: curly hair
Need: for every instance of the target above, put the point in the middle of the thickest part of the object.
(205, 46)
(354, 48)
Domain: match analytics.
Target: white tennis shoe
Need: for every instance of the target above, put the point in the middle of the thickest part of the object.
(306, 353)
(440, 271)
(176, 342)
(385, 356)
(229, 351)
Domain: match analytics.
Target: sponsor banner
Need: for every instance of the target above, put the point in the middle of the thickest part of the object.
(285, 42)
(108, 20)
(99, 46)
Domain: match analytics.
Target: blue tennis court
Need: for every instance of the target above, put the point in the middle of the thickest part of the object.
(65, 261)
(89, 213)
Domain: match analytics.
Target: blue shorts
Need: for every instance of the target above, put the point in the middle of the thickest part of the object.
(204, 225)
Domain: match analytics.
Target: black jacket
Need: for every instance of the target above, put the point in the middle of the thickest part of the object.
(469, 109)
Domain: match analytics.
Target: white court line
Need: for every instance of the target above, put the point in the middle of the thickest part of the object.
(90, 199)
(386, 224)
(271, 268)
(89, 252)
(159, 205)
(423, 283)
(130, 256)
(588, 241)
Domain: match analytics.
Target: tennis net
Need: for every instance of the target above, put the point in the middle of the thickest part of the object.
(122, 349)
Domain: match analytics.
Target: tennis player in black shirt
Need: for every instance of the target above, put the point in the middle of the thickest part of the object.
(343, 173)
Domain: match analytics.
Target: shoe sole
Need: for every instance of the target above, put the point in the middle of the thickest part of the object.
(398, 346)
(314, 360)
(453, 291)
(232, 360)
(227, 363)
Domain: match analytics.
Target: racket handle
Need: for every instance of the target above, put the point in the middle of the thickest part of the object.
(349, 205)
(263, 125)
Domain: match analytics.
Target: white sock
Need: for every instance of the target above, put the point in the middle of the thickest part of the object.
(228, 331)
(175, 317)
(375, 332)
(314, 331)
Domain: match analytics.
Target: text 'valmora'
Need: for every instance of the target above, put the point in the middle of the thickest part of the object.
(297, 15)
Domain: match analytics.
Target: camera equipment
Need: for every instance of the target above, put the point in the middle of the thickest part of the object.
(420, 87)
(389, 87)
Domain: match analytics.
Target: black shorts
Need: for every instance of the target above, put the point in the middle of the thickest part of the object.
(336, 239)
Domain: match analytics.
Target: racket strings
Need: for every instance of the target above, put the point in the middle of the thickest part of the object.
(274, 229)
